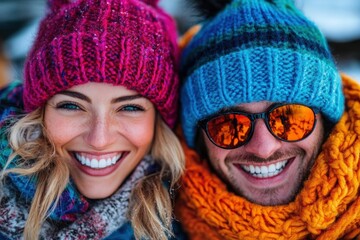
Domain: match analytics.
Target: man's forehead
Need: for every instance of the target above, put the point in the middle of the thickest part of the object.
(252, 107)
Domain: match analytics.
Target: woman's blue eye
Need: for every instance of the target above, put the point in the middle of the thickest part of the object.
(68, 106)
(131, 108)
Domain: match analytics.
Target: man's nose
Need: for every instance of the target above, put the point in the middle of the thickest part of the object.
(262, 143)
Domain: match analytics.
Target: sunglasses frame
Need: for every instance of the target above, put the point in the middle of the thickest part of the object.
(203, 123)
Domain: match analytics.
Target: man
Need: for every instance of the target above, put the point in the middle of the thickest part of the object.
(275, 128)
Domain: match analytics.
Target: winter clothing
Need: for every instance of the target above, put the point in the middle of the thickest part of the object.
(131, 43)
(127, 230)
(257, 50)
(99, 221)
(328, 206)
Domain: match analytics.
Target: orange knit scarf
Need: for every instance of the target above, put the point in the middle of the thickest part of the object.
(328, 206)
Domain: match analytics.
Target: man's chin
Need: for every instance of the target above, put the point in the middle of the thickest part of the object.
(280, 195)
(268, 198)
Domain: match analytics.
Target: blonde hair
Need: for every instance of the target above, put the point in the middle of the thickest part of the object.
(150, 219)
(26, 137)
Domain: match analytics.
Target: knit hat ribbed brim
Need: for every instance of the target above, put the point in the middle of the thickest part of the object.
(257, 50)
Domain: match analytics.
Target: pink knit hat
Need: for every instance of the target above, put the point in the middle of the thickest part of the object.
(123, 42)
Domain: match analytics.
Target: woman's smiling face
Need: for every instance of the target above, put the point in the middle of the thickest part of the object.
(102, 131)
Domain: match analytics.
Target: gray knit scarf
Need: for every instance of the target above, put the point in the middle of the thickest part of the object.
(104, 216)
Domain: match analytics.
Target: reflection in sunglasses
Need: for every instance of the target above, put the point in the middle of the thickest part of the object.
(289, 122)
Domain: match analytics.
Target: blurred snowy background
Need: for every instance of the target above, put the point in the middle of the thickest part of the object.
(339, 20)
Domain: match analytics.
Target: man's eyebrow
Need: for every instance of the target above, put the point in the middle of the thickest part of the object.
(241, 108)
(76, 95)
(229, 109)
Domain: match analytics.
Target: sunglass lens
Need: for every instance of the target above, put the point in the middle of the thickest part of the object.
(229, 130)
(292, 122)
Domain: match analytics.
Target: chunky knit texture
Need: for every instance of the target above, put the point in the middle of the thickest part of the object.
(257, 50)
(327, 208)
(122, 42)
(99, 221)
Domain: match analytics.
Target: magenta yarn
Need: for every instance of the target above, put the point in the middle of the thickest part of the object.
(121, 42)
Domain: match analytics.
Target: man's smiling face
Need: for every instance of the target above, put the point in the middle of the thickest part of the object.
(266, 170)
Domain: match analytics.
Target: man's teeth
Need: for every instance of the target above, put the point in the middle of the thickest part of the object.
(265, 171)
(97, 163)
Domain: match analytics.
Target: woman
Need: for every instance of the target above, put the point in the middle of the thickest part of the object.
(88, 157)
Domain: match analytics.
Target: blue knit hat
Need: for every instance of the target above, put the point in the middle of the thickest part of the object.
(257, 50)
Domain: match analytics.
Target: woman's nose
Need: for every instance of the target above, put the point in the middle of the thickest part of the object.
(101, 132)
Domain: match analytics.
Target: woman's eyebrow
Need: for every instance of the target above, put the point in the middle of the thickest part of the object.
(87, 99)
(76, 95)
(126, 98)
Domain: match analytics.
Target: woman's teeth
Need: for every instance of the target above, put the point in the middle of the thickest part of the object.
(265, 171)
(97, 163)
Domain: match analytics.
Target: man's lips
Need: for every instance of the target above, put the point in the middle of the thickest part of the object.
(265, 170)
(98, 161)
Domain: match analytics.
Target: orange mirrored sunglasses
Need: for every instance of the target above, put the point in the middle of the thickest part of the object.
(287, 122)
